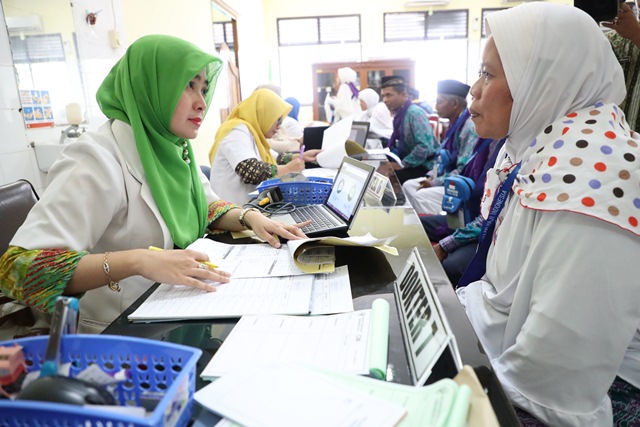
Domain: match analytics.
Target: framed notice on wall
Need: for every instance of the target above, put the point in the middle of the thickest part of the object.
(36, 108)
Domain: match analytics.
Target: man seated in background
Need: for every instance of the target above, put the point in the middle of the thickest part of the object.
(425, 193)
(414, 94)
(455, 248)
(413, 140)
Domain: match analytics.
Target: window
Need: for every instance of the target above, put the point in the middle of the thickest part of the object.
(440, 25)
(319, 30)
(305, 41)
(37, 48)
(436, 41)
(42, 65)
(223, 33)
(486, 12)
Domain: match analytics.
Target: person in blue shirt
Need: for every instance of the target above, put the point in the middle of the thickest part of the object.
(413, 140)
(425, 193)
(455, 248)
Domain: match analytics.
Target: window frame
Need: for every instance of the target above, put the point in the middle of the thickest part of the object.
(318, 30)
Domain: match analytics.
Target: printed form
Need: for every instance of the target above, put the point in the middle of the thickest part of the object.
(307, 294)
(252, 260)
(340, 342)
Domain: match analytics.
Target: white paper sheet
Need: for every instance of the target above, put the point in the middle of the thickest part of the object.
(282, 395)
(251, 260)
(339, 341)
(333, 144)
(320, 294)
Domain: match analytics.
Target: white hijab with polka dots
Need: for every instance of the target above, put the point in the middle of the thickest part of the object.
(576, 150)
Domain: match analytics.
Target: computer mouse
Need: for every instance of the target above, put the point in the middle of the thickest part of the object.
(61, 389)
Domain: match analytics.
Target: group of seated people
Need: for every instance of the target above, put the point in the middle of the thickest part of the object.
(551, 291)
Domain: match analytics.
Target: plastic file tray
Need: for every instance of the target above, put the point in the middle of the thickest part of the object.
(153, 366)
(314, 191)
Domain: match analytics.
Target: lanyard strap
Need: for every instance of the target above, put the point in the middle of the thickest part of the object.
(478, 265)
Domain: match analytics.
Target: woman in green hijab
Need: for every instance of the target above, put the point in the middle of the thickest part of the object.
(128, 186)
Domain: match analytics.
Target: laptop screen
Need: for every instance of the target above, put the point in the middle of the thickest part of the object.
(349, 187)
(359, 132)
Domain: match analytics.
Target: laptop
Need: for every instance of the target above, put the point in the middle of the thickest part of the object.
(312, 137)
(336, 215)
(359, 132)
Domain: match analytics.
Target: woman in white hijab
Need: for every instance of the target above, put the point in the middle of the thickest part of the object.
(558, 308)
(376, 113)
(346, 102)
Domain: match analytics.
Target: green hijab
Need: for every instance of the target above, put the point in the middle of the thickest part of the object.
(143, 89)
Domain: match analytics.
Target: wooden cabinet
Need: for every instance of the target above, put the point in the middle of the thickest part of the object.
(370, 74)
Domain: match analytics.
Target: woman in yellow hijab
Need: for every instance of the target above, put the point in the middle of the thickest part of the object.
(241, 157)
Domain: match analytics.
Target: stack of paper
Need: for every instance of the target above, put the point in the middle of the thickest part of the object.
(284, 394)
(355, 342)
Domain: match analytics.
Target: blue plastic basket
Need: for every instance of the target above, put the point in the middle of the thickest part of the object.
(153, 366)
(314, 191)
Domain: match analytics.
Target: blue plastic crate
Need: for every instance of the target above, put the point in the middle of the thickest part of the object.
(153, 366)
(314, 191)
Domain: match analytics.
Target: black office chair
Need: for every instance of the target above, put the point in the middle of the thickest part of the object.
(16, 200)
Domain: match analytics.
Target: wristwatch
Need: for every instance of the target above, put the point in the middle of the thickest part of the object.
(241, 220)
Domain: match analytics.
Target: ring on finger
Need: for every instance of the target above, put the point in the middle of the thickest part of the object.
(202, 266)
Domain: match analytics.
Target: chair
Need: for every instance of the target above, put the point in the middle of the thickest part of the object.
(16, 200)
(206, 170)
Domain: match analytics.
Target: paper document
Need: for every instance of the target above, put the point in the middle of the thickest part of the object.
(306, 294)
(334, 144)
(340, 341)
(276, 394)
(316, 255)
(251, 260)
(386, 152)
(445, 403)
(320, 173)
(441, 404)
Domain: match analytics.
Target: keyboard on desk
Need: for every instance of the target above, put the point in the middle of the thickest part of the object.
(322, 220)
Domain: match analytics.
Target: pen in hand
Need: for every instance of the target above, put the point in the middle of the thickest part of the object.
(207, 263)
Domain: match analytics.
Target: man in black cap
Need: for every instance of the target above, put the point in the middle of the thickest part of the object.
(412, 139)
(425, 193)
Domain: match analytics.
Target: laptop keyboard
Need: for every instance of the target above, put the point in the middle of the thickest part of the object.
(321, 219)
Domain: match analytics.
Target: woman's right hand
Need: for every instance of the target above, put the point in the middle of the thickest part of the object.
(295, 165)
(181, 267)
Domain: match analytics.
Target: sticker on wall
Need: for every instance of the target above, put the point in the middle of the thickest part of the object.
(36, 108)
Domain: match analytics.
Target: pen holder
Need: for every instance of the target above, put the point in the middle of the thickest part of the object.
(313, 191)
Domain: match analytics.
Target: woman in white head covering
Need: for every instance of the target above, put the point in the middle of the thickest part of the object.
(556, 304)
(346, 102)
(376, 113)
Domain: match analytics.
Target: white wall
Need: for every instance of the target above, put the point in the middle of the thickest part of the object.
(16, 157)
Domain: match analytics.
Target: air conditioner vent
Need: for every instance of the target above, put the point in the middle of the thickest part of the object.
(16, 24)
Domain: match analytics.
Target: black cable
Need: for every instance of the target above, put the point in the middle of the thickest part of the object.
(276, 208)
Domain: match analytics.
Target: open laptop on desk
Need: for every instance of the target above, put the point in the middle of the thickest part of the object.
(336, 215)
(359, 132)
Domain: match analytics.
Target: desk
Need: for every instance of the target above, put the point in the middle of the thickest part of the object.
(371, 274)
